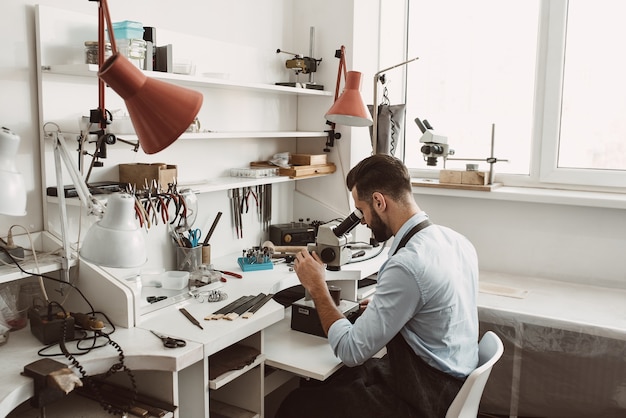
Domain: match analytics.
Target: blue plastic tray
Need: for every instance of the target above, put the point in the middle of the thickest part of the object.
(246, 265)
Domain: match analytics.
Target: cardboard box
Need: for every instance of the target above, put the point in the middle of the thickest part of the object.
(307, 159)
(138, 174)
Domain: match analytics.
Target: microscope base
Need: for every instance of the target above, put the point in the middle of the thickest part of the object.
(304, 317)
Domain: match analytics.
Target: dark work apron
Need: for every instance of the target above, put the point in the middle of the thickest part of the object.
(399, 385)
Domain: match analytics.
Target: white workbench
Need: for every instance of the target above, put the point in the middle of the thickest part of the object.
(564, 347)
(142, 350)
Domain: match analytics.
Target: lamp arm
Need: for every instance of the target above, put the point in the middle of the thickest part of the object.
(375, 115)
(93, 205)
(62, 155)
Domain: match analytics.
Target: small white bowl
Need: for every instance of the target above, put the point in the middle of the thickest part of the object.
(175, 280)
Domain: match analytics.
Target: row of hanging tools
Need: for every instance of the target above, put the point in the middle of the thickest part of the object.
(264, 209)
(240, 202)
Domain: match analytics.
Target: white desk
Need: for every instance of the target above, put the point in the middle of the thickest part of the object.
(588, 309)
(142, 350)
(554, 332)
(309, 355)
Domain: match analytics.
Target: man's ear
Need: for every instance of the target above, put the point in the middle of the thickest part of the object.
(378, 200)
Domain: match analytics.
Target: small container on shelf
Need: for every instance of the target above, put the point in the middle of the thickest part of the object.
(133, 49)
(254, 172)
(127, 29)
(91, 52)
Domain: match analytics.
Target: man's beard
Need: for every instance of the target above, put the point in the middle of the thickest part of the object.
(379, 229)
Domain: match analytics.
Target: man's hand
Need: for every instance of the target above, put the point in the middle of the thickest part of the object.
(310, 270)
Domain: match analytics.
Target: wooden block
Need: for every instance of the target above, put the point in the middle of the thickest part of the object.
(307, 159)
(298, 171)
(450, 176)
(474, 177)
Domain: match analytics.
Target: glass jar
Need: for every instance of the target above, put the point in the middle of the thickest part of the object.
(91, 52)
(134, 50)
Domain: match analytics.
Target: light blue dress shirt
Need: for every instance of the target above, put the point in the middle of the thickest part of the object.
(427, 292)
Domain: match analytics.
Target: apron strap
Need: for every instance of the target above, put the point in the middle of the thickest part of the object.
(417, 228)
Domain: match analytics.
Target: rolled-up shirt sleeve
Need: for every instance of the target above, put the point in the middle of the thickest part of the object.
(395, 302)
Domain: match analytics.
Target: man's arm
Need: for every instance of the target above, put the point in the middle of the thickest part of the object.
(310, 271)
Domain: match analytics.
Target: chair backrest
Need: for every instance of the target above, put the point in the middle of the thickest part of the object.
(466, 402)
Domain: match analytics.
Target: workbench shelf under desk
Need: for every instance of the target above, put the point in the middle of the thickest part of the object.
(48, 260)
(143, 353)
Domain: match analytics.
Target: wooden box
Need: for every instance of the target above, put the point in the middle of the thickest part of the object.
(307, 159)
(477, 178)
(141, 174)
(299, 171)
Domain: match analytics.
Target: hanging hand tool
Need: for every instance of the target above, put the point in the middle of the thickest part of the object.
(233, 194)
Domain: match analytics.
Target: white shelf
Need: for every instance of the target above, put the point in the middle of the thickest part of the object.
(72, 405)
(242, 134)
(221, 409)
(202, 186)
(229, 376)
(47, 258)
(90, 70)
(227, 183)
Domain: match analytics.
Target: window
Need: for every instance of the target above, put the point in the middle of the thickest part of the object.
(547, 74)
(584, 135)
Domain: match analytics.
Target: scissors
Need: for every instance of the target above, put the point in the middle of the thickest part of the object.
(170, 342)
(194, 237)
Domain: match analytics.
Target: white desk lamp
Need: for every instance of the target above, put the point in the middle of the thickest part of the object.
(12, 188)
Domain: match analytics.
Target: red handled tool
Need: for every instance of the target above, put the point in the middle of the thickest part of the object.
(230, 273)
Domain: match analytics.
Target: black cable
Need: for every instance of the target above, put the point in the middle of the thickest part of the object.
(115, 368)
(43, 276)
(360, 260)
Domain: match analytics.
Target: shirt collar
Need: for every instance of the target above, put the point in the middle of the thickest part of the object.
(406, 227)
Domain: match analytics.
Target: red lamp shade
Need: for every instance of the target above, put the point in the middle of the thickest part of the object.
(349, 109)
(160, 111)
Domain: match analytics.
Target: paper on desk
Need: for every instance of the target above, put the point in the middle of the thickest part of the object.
(496, 289)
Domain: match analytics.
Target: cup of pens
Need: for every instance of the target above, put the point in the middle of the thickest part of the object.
(188, 258)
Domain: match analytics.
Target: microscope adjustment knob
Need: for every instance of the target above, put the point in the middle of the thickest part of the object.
(328, 254)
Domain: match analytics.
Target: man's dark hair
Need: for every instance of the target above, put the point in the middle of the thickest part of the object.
(380, 173)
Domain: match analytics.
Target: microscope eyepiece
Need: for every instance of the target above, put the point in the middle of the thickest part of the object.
(349, 223)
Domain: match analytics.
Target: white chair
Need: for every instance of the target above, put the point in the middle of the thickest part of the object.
(466, 402)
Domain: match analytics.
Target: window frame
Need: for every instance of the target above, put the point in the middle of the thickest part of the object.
(549, 73)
